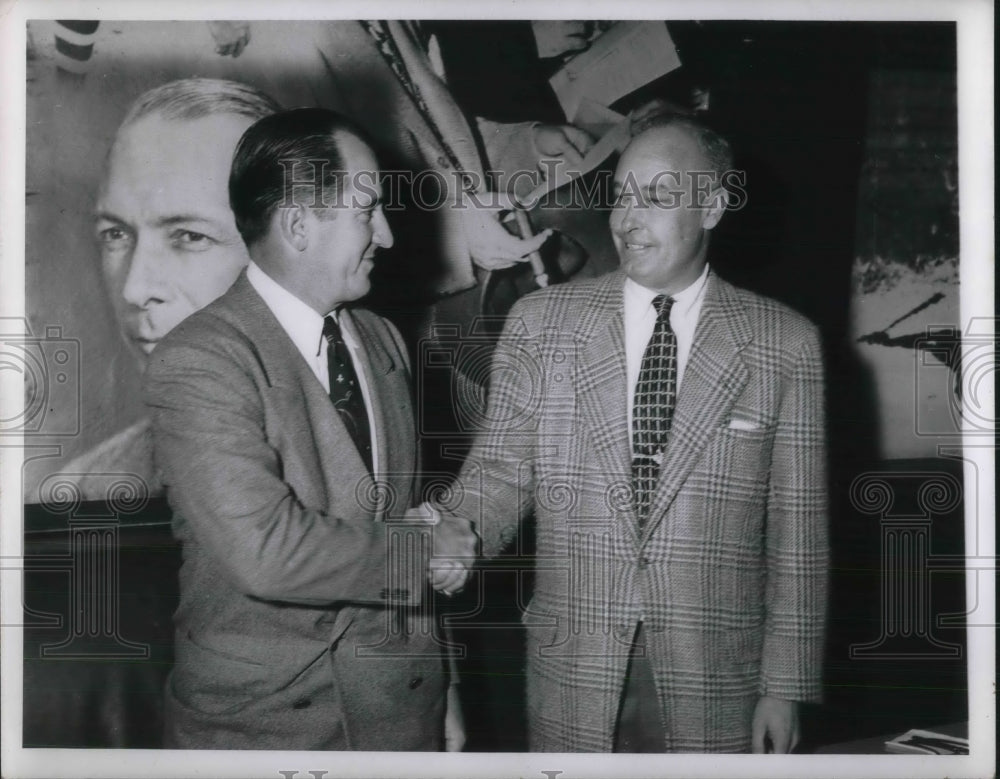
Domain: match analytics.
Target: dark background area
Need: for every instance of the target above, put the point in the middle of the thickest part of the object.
(797, 100)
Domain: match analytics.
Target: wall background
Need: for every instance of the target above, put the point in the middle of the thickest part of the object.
(906, 269)
(853, 184)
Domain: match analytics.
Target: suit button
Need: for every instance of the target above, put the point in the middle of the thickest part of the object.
(443, 161)
(302, 703)
(415, 682)
(643, 563)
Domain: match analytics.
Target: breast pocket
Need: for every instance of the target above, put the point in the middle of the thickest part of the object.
(730, 489)
(742, 453)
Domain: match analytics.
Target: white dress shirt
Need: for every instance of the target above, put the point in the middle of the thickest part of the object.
(305, 327)
(640, 318)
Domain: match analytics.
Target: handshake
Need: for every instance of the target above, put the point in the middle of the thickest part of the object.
(453, 551)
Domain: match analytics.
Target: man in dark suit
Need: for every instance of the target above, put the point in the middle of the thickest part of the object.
(284, 428)
(666, 430)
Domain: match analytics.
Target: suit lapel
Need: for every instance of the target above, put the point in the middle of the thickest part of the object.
(384, 397)
(292, 379)
(714, 376)
(278, 355)
(601, 377)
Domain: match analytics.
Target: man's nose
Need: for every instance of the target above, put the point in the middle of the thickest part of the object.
(629, 215)
(146, 281)
(382, 235)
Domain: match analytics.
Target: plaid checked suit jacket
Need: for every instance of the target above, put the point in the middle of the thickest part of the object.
(729, 574)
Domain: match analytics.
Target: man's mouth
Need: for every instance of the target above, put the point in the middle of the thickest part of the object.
(633, 246)
(139, 334)
(146, 344)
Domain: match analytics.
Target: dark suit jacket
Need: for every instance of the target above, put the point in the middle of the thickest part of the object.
(729, 572)
(293, 630)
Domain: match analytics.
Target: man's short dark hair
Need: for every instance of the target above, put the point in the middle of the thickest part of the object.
(267, 160)
(717, 150)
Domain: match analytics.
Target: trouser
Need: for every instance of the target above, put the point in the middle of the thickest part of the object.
(640, 724)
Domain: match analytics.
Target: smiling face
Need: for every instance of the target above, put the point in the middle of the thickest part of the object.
(345, 237)
(660, 223)
(167, 238)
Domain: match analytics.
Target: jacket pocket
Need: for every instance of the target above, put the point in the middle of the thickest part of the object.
(744, 645)
(217, 679)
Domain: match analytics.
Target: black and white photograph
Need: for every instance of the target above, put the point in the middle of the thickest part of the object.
(566, 397)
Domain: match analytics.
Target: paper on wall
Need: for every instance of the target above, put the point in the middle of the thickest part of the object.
(628, 56)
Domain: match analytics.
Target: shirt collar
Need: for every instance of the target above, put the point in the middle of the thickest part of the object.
(303, 325)
(638, 298)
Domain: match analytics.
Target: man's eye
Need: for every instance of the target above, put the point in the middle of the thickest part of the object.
(190, 240)
(114, 238)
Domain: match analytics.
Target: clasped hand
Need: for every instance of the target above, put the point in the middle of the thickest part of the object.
(454, 547)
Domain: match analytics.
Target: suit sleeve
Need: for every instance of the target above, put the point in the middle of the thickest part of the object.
(796, 542)
(224, 477)
(497, 481)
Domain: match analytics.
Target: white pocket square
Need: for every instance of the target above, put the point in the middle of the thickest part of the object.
(743, 424)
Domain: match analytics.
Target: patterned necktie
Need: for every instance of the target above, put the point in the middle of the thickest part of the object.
(345, 390)
(653, 408)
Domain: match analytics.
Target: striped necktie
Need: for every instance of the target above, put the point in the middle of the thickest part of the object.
(653, 407)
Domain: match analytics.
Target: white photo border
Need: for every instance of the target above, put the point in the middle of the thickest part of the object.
(976, 157)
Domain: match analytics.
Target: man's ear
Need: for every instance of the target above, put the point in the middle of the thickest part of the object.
(715, 209)
(293, 225)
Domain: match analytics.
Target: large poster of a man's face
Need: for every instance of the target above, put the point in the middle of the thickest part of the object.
(166, 236)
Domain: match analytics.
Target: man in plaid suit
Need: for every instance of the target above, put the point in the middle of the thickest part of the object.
(686, 615)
